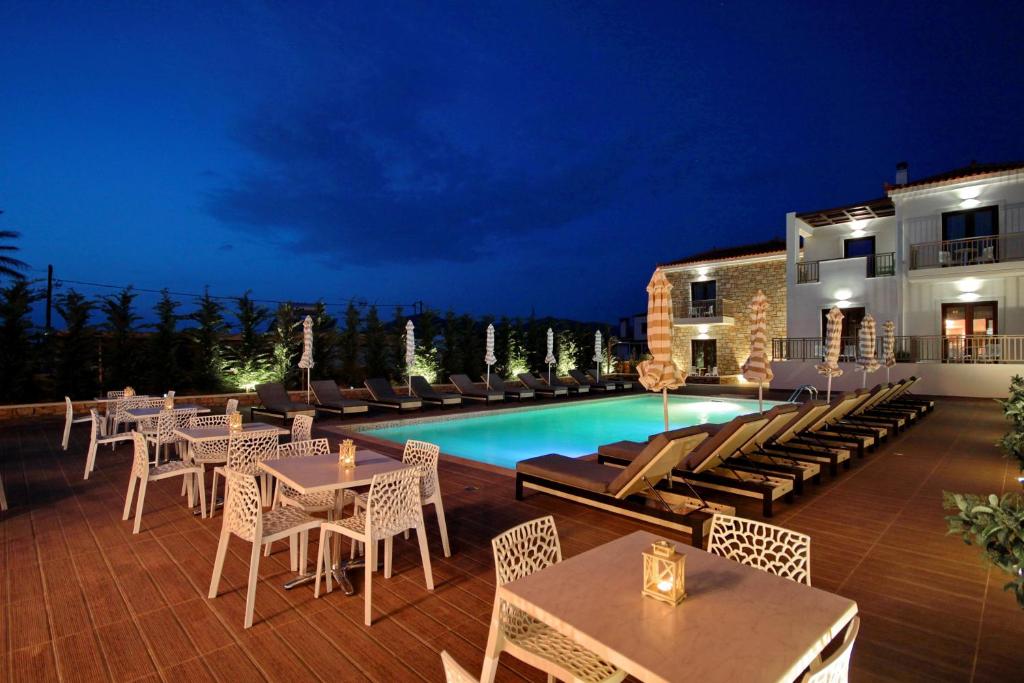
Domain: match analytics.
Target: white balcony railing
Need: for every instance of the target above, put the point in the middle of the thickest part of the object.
(977, 348)
(967, 252)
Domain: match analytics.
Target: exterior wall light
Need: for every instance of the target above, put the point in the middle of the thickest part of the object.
(969, 284)
(969, 192)
(969, 296)
(843, 294)
(969, 203)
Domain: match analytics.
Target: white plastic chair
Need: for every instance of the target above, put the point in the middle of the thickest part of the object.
(110, 409)
(167, 422)
(302, 428)
(945, 258)
(245, 452)
(143, 473)
(321, 501)
(521, 551)
(3, 496)
(97, 439)
(392, 506)
(70, 419)
(423, 456)
(453, 673)
(835, 669)
(244, 517)
(766, 547)
(208, 451)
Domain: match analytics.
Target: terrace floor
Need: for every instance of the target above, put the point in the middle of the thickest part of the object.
(84, 599)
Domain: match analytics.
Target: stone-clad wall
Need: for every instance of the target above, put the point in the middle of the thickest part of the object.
(737, 284)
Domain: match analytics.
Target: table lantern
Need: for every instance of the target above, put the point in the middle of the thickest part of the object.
(129, 392)
(168, 403)
(664, 573)
(235, 422)
(347, 454)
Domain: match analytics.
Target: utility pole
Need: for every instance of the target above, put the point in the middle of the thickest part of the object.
(49, 295)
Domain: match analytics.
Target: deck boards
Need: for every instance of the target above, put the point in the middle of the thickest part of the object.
(84, 599)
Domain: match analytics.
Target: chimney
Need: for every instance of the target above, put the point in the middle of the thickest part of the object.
(901, 173)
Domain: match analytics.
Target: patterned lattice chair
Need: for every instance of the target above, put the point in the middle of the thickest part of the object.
(423, 456)
(519, 552)
(321, 501)
(70, 419)
(392, 506)
(207, 452)
(143, 473)
(453, 673)
(232, 406)
(244, 517)
(97, 439)
(245, 452)
(302, 428)
(110, 409)
(162, 435)
(835, 669)
(118, 411)
(3, 496)
(763, 546)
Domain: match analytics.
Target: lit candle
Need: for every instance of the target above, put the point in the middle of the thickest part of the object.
(664, 585)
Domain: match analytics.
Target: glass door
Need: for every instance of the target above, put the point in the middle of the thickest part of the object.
(964, 328)
(704, 355)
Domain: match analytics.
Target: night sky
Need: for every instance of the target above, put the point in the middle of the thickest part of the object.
(486, 157)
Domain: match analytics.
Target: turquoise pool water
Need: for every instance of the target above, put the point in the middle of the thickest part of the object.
(504, 438)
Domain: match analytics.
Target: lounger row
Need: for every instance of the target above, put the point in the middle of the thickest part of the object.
(765, 456)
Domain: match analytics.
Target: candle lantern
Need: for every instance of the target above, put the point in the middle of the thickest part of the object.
(664, 573)
(168, 403)
(129, 392)
(347, 454)
(235, 422)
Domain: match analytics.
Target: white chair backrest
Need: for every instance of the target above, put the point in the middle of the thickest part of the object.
(835, 669)
(393, 503)
(231, 407)
(299, 449)
(302, 428)
(68, 412)
(770, 548)
(140, 455)
(243, 509)
(525, 549)
(97, 427)
(205, 449)
(423, 456)
(247, 449)
(199, 421)
(170, 420)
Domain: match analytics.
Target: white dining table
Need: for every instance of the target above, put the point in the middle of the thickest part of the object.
(737, 623)
(215, 432)
(145, 413)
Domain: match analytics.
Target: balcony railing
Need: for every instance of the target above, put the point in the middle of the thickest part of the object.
(967, 252)
(876, 265)
(707, 308)
(978, 348)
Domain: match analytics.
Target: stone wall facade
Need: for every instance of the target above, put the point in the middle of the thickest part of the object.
(736, 284)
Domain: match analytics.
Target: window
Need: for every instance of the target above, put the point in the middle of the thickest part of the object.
(959, 225)
(705, 290)
(861, 246)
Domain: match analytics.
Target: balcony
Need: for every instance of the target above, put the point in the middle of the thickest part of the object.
(875, 265)
(977, 348)
(706, 312)
(972, 251)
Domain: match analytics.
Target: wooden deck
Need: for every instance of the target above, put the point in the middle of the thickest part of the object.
(83, 599)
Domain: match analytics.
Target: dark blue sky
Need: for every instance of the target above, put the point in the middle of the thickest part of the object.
(488, 157)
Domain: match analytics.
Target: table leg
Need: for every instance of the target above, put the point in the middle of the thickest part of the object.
(340, 573)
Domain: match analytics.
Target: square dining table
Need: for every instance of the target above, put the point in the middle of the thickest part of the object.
(317, 473)
(737, 623)
(144, 413)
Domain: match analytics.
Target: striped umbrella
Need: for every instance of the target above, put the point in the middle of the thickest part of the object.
(550, 358)
(489, 358)
(598, 356)
(306, 362)
(660, 373)
(867, 361)
(410, 351)
(833, 340)
(889, 347)
(758, 368)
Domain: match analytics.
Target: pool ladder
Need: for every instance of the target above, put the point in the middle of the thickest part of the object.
(811, 390)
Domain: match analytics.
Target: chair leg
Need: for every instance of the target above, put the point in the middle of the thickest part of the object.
(442, 524)
(213, 493)
(128, 498)
(303, 551)
(218, 563)
(495, 643)
(254, 572)
(67, 434)
(202, 492)
(90, 459)
(421, 536)
(143, 482)
(388, 552)
(293, 552)
(371, 561)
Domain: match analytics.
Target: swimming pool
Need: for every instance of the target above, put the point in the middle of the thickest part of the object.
(503, 438)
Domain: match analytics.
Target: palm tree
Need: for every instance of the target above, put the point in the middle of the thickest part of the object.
(9, 266)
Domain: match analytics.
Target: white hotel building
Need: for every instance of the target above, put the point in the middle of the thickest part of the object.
(942, 257)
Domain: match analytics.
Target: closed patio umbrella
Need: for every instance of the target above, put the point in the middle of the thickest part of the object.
(306, 362)
(410, 351)
(598, 356)
(757, 368)
(660, 373)
(889, 347)
(550, 358)
(867, 361)
(489, 358)
(833, 333)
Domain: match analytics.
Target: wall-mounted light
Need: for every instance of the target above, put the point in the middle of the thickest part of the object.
(842, 294)
(969, 296)
(703, 329)
(969, 284)
(857, 233)
(843, 303)
(702, 273)
(969, 203)
(969, 192)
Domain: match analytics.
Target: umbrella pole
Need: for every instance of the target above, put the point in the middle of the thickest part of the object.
(864, 381)
(307, 385)
(488, 377)
(549, 373)
(760, 401)
(664, 400)
(828, 393)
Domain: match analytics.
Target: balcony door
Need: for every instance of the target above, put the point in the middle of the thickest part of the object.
(964, 326)
(852, 318)
(704, 355)
(702, 299)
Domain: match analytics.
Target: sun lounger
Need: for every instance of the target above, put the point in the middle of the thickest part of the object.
(876, 411)
(621, 384)
(474, 392)
(906, 397)
(559, 384)
(329, 399)
(277, 403)
(383, 395)
(518, 393)
(794, 441)
(828, 429)
(540, 387)
(426, 393)
(637, 491)
(714, 456)
(585, 380)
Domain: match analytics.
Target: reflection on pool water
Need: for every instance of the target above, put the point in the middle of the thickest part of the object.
(503, 438)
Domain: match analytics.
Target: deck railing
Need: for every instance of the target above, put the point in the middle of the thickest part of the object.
(707, 308)
(967, 252)
(875, 265)
(977, 348)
